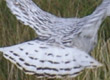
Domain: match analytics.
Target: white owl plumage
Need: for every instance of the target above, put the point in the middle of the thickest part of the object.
(63, 44)
(44, 60)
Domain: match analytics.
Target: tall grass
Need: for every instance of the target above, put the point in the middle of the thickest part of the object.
(13, 32)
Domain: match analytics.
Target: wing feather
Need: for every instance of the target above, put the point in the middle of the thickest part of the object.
(46, 25)
(43, 60)
(30, 14)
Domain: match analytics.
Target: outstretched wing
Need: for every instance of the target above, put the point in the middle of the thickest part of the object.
(44, 60)
(30, 14)
(45, 24)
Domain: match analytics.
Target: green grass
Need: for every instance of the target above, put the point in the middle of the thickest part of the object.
(13, 32)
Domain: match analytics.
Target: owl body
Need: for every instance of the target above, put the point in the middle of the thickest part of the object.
(63, 45)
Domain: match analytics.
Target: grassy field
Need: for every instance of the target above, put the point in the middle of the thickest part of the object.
(13, 32)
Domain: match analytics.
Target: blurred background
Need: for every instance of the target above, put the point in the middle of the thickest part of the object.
(13, 32)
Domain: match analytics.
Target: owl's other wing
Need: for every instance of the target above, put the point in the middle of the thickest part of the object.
(44, 60)
(30, 14)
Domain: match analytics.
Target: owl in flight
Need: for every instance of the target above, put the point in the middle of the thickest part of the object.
(63, 44)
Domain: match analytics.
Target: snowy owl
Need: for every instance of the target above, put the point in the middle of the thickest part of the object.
(63, 44)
